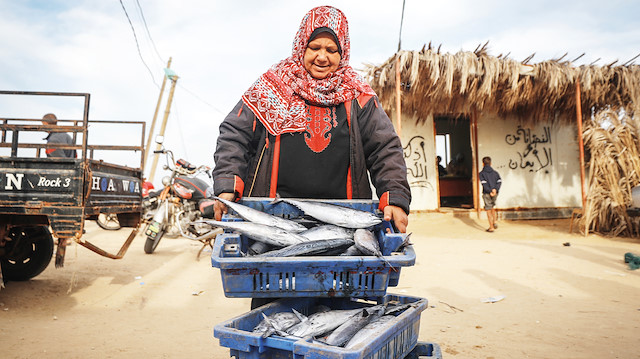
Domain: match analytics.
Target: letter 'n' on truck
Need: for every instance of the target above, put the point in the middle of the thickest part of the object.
(44, 196)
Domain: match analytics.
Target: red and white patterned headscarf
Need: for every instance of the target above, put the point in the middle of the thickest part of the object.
(278, 97)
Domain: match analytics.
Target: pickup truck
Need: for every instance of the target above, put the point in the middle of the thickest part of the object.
(45, 197)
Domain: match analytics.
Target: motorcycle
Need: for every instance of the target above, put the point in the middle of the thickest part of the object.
(175, 209)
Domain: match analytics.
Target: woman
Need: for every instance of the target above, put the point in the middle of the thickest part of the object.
(311, 127)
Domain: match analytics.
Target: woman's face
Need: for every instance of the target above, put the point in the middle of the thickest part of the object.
(321, 57)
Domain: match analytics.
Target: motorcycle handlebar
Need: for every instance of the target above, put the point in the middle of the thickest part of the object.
(179, 169)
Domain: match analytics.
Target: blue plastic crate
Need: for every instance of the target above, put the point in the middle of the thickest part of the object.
(394, 341)
(425, 350)
(315, 276)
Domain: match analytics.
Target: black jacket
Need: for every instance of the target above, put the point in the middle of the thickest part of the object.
(490, 179)
(244, 156)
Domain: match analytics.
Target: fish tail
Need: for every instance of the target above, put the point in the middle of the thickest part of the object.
(406, 241)
(299, 315)
(388, 263)
(277, 199)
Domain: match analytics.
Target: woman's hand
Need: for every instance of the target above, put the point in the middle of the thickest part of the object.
(220, 208)
(398, 216)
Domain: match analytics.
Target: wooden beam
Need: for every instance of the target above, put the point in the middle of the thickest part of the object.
(398, 100)
(581, 150)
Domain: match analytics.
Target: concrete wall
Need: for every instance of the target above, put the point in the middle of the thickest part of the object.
(539, 164)
(420, 155)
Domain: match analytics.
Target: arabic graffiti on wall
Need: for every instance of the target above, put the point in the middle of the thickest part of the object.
(416, 159)
(533, 152)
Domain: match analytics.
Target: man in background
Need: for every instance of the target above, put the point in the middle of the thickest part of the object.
(457, 167)
(441, 170)
(57, 137)
(491, 182)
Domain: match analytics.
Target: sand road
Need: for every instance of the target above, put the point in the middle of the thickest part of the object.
(577, 301)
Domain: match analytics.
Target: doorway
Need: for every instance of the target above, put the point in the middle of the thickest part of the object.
(455, 169)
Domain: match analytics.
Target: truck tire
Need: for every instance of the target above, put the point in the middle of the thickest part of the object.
(28, 253)
(151, 243)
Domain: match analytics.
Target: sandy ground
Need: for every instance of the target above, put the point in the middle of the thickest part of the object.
(577, 301)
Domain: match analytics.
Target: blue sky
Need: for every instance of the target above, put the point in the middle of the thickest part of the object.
(220, 47)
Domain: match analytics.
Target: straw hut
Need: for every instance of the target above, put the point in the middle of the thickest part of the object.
(552, 129)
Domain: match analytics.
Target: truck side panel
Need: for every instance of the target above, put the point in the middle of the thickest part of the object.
(44, 187)
(111, 188)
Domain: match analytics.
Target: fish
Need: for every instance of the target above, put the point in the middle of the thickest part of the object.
(405, 243)
(277, 322)
(320, 323)
(310, 248)
(397, 309)
(367, 243)
(256, 216)
(261, 232)
(352, 251)
(373, 327)
(258, 248)
(334, 214)
(342, 334)
(327, 231)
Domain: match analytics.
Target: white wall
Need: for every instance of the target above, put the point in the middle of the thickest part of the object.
(420, 156)
(539, 164)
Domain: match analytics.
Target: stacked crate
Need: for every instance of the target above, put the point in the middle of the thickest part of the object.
(304, 282)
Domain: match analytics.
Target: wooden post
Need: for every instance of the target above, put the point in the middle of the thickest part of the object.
(155, 116)
(173, 79)
(581, 149)
(398, 99)
(474, 161)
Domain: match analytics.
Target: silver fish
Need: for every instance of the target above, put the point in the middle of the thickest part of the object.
(255, 216)
(334, 214)
(276, 322)
(367, 243)
(262, 232)
(258, 248)
(342, 334)
(321, 323)
(373, 327)
(399, 308)
(310, 248)
(327, 231)
(352, 251)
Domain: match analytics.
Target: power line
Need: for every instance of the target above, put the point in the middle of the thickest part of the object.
(157, 53)
(144, 21)
(198, 97)
(137, 45)
(179, 130)
(401, 21)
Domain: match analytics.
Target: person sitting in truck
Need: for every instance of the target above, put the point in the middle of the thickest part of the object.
(312, 127)
(57, 137)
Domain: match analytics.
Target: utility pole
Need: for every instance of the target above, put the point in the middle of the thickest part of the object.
(398, 79)
(155, 116)
(174, 78)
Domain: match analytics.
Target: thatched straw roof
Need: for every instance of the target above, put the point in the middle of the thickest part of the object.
(613, 143)
(434, 82)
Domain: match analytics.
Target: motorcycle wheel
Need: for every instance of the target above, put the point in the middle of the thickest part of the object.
(108, 221)
(151, 243)
(30, 252)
